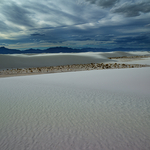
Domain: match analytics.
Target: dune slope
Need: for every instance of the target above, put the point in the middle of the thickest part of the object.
(103, 109)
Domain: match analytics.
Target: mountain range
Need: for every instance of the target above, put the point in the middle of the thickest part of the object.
(4, 50)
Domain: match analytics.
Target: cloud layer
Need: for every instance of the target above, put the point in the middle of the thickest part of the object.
(133, 9)
(84, 23)
(104, 3)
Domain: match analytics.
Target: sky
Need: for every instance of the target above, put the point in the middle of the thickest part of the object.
(74, 23)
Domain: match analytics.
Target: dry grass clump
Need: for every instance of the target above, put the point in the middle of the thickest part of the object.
(130, 57)
(66, 68)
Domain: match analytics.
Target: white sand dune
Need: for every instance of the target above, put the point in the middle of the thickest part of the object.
(41, 60)
(10, 61)
(88, 110)
(120, 54)
(143, 61)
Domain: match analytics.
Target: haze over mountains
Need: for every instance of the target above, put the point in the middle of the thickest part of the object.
(4, 50)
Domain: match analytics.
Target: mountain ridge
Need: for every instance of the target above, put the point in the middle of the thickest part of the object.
(4, 50)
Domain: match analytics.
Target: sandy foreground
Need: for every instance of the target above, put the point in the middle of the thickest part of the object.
(104, 109)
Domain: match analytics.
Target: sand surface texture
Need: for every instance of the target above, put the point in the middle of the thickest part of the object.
(87, 110)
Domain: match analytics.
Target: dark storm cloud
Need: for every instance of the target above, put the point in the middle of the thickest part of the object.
(140, 39)
(39, 7)
(3, 26)
(148, 25)
(17, 14)
(51, 22)
(37, 34)
(133, 9)
(75, 34)
(51, 13)
(92, 37)
(104, 3)
(3, 44)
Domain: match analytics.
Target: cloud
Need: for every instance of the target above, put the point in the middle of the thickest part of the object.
(104, 3)
(133, 9)
(3, 26)
(48, 23)
(134, 40)
(17, 14)
(127, 8)
(37, 34)
(3, 44)
(148, 25)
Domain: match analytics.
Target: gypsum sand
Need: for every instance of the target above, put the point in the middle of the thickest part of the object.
(130, 57)
(86, 110)
(66, 68)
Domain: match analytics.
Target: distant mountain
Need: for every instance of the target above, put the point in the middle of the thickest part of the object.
(31, 50)
(61, 50)
(4, 50)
